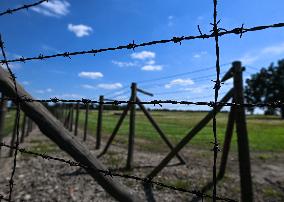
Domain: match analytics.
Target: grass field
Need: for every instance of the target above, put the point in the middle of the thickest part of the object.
(266, 133)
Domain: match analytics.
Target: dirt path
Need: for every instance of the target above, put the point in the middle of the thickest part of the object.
(37, 179)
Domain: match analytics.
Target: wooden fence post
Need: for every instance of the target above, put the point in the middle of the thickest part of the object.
(3, 110)
(242, 135)
(23, 129)
(227, 142)
(129, 162)
(99, 123)
(86, 122)
(115, 130)
(77, 118)
(71, 117)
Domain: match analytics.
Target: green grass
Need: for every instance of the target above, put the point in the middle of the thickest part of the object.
(266, 133)
(9, 122)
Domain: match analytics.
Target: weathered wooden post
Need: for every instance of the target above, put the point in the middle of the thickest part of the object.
(242, 135)
(3, 110)
(86, 121)
(23, 129)
(55, 130)
(99, 123)
(77, 118)
(129, 162)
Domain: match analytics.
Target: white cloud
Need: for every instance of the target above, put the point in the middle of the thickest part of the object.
(26, 83)
(170, 20)
(275, 50)
(152, 68)
(143, 55)
(109, 86)
(179, 82)
(199, 55)
(48, 90)
(80, 30)
(53, 8)
(87, 86)
(90, 75)
(124, 64)
(150, 62)
(14, 66)
(251, 57)
(69, 96)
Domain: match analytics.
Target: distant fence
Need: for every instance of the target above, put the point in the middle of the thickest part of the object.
(52, 128)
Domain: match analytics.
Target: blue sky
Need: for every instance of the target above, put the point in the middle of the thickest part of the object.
(69, 25)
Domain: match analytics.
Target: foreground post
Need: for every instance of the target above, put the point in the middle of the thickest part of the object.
(242, 136)
(55, 130)
(129, 162)
(99, 123)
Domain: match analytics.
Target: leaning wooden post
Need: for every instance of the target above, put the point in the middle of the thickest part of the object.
(3, 110)
(242, 135)
(189, 136)
(86, 121)
(129, 162)
(227, 142)
(99, 123)
(77, 119)
(13, 139)
(23, 129)
(158, 129)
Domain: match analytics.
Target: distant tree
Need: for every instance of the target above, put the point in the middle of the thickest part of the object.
(266, 86)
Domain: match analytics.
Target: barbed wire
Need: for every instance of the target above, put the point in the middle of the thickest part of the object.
(217, 87)
(239, 30)
(18, 112)
(276, 104)
(11, 11)
(113, 174)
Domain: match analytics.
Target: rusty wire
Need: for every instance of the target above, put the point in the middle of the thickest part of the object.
(239, 30)
(18, 110)
(11, 11)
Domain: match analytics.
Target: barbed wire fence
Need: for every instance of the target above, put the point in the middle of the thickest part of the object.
(216, 33)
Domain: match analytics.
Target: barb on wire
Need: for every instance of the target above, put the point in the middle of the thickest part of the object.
(276, 104)
(17, 102)
(11, 11)
(239, 30)
(113, 174)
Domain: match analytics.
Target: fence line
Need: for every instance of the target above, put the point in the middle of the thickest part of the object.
(216, 32)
